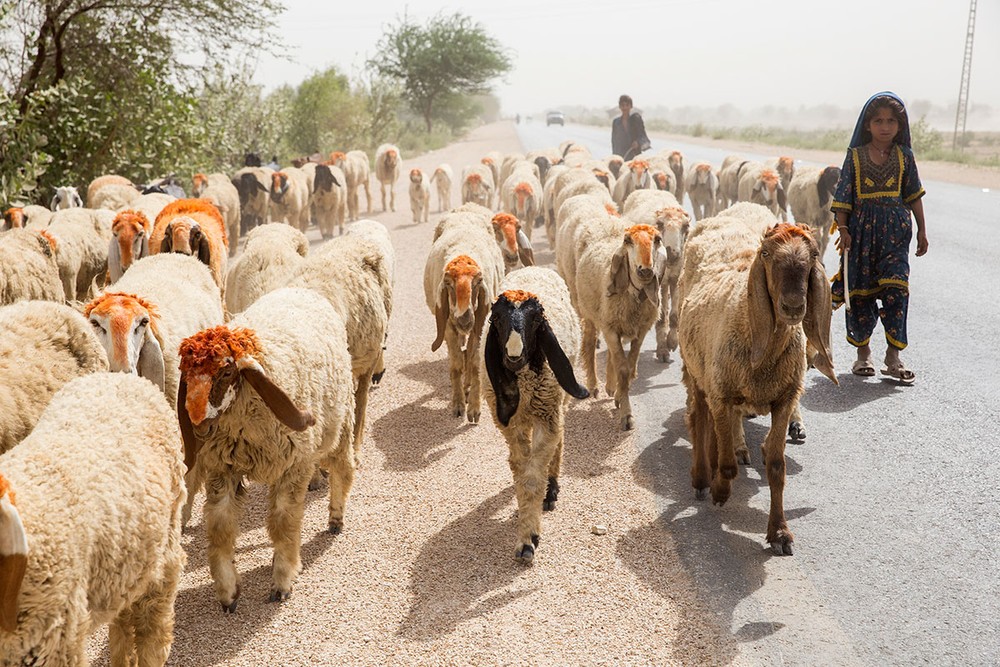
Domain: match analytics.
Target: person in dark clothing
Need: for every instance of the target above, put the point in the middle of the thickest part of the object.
(628, 132)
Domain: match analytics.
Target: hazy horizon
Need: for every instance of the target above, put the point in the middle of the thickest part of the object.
(675, 53)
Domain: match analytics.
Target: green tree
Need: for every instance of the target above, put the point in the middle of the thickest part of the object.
(438, 62)
(327, 113)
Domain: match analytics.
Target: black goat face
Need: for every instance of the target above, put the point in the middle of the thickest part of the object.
(517, 325)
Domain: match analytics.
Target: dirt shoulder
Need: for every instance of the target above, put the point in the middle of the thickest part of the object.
(949, 172)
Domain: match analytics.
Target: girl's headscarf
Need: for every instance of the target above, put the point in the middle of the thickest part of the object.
(902, 137)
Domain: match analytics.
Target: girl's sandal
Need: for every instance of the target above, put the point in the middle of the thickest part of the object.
(901, 373)
(863, 367)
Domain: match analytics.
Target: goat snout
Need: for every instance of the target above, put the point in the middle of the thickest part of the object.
(645, 273)
(464, 321)
(793, 308)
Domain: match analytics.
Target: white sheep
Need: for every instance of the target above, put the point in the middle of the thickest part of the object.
(269, 398)
(272, 254)
(478, 185)
(83, 237)
(351, 273)
(225, 197)
(749, 289)
(494, 162)
(548, 201)
(377, 233)
(329, 199)
(784, 166)
(759, 185)
(576, 214)
(702, 187)
(442, 179)
(90, 527)
(103, 181)
(729, 180)
(637, 178)
(114, 197)
(521, 195)
(43, 345)
(508, 164)
(28, 267)
(193, 227)
(462, 276)
(31, 216)
(514, 243)
(420, 195)
(618, 292)
(200, 182)
(357, 171)
(529, 349)
(662, 174)
(290, 198)
(388, 161)
(809, 197)
(579, 181)
(65, 197)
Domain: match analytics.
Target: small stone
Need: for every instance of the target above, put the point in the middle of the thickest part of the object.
(598, 529)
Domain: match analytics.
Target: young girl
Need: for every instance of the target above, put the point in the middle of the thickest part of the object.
(878, 189)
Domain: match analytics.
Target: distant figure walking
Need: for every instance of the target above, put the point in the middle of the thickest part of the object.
(628, 132)
(879, 191)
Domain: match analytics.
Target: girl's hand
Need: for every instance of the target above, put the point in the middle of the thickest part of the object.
(844, 240)
(921, 244)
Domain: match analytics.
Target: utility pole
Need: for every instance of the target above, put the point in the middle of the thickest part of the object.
(963, 89)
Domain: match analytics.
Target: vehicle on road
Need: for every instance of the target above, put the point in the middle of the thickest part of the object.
(553, 117)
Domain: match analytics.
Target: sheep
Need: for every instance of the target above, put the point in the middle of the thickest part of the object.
(532, 326)
(521, 195)
(511, 162)
(442, 178)
(357, 172)
(702, 187)
(387, 165)
(222, 194)
(114, 197)
(785, 168)
(350, 272)
(272, 254)
(269, 398)
(576, 214)
(748, 292)
(100, 183)
(420, 195)
(729, 180)
(65, 197)
(615, 164)
(94, 535)
(193, 227)
(548, 200)
(514, 244)
(31, 216)
(661, 210)
(580, 181)
(28, 267)
(201, 182)
(43, 345)
(477, 185)
(676, 161)
(130, 232)
(462, 276)
(542, 161)
(329, 199)
(662, 175)
(290, 198)
(637, 178)
(83, 237)
(254, 186)
(467, 214)
(762, 186)
(494, 161)
(809, 197)
(377, 233)
(618, 292)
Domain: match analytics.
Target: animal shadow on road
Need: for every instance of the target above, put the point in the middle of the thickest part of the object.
(726, 566)
(414, 435)
(465, 561)
(591, 437)
(821, 395)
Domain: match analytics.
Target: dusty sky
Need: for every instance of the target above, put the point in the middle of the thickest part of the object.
(680, 52)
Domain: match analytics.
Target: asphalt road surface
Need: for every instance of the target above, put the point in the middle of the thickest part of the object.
(892, 495)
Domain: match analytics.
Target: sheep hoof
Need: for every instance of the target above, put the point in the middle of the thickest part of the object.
(534, 540)
(551, 495)
(278, 595)
(377, 377)
(525, 554)
(594, 393)
(336, 526)
(473, 416)
(317, 480)
(628, 423)
(701, 494)
(782, 544)
(229, 608)
(663, 357)
(743, 455)
(796, 431)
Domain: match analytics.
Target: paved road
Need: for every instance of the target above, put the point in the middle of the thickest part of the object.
(892, 496)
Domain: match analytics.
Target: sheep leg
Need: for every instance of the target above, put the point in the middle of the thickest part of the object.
(727, 432)
(286, 504)
(363, 385)
(778, 535)
(456, 368)
(121, 640)
(697, 423)
(588, 350)
(666, 325)
(611, 368)
(341, 467)
(382, 188)
(472, 379)
(555, 463)
(796, 429)
(620, 373)
(392, 198)
(224, 503)
(368, 196)
(530, 489)
(152, 617)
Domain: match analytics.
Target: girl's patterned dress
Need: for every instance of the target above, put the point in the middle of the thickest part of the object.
(880, 224)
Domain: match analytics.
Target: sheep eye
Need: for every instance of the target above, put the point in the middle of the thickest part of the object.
(144, 322)
(97, 325)
(764, 253)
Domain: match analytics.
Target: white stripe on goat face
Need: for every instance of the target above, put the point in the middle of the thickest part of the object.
(515, 345)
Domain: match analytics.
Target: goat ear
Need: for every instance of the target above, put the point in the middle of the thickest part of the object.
(12, 569)
(442, 310)
(54, 202)
(115, 260)
(77, 200)
(819, 312)
(204, 250)
(167, 244)
(559, 363)
(191, 442)
(261, 186)
(150, 365)
(758, 184)
(144, 249)
(619, 272)
(482, 309)
(503, 381)
(277, 400)
(524, 249)
(761, 313)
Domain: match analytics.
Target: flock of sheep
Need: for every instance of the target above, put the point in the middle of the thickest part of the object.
(227, 370)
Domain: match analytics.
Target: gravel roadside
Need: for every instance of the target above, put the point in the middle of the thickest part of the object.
(424, 572)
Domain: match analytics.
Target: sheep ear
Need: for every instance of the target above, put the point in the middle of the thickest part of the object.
(819, 312)
(204, 251)
(441, 312)
(277, 400)
(150, 365)
(524, 249)
(54, 202)
(13, 564)
(760, 312)
(191, 442)
(483, 305)
(559, 363)
(144, 249)
(619, 272)
(782, 199)
(503, 381)
(167, 244)
(758, 184)
(115, 260)
(77, 200)
(261, 186)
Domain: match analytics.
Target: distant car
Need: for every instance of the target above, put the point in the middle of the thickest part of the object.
(553, 117)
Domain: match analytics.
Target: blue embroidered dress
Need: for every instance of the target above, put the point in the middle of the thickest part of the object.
(877, 197)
